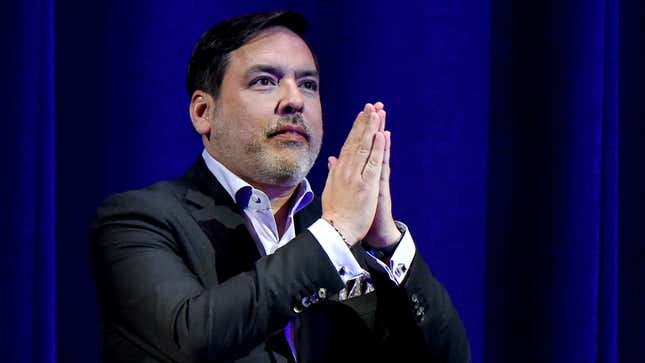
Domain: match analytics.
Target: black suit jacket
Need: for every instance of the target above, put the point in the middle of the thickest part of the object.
(179, 279)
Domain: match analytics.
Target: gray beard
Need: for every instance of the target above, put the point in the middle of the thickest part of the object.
(275, 170)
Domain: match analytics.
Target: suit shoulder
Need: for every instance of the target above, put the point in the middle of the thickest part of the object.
(156, 198)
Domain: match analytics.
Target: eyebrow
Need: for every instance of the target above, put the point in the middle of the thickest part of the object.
(264, 68)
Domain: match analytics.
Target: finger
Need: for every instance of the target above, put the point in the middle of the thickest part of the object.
(358, 128)
(372, 171)
(331, 162)
(359, 123)
(362, 152)
(385, 172)
(355, 133)
(381, 115)
(379, 107)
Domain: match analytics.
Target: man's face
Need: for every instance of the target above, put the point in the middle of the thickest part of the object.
(266, 126)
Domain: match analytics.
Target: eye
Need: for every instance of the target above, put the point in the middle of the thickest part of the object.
(263, 81)
(310, 85)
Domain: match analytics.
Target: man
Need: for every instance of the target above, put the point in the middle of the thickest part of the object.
(237, 260)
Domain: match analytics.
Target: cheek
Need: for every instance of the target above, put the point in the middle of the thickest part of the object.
(243, 121)
(317, 122)
(313, 111)
(257, 102)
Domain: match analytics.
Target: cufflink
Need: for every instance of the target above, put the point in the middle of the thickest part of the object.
(305, 302)
(400, 269)
(314, 298)
(322, 293)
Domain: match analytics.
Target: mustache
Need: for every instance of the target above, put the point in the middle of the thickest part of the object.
(288, 122)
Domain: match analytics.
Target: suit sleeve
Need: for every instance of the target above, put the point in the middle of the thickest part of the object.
(432, 309)
(421, 322)
(150, 293)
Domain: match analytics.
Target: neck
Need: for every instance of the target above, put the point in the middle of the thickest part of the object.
(278, 196)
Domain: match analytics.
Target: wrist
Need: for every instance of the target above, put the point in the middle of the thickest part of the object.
(385, 237)
(343, 232)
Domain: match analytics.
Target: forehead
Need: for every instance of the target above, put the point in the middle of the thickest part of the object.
(276, 46)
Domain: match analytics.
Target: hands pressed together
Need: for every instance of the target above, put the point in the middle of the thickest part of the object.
(356, 199)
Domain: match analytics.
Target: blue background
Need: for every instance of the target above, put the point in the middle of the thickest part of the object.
(517, 158)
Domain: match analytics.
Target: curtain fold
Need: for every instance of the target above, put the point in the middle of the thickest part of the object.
(608, 252)
(631, 179)
(44, 326)
(28, 260)
(552, 199)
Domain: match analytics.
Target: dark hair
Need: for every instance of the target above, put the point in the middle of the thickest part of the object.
(211, 55)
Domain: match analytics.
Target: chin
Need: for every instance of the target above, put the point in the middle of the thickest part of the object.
(285, 172)
(288, 166)
(289, 172)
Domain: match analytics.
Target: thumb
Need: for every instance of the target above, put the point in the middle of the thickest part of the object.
(331, 162)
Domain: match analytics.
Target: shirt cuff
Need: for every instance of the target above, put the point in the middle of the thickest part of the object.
(402, 257)
(337, 251)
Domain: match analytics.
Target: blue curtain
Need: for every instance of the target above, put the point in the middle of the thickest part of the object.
(28, 192)
(518, 131)
(552, 183)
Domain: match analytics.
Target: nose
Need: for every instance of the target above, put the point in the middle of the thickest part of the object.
(291, 100)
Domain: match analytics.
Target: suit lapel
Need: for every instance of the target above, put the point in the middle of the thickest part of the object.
(222, 221)
(307, 216)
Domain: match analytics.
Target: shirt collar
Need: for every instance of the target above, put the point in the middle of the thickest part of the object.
(241, 191)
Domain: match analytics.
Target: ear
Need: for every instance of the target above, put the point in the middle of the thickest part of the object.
(201, 106)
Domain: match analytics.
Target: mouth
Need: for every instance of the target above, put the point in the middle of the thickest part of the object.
(290, 132)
